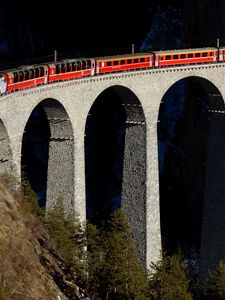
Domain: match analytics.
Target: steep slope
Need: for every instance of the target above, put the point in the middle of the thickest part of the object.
(30, 267)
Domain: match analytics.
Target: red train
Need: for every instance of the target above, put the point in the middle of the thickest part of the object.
(32, 76)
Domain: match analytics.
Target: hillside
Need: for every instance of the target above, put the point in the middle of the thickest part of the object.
(30, 267)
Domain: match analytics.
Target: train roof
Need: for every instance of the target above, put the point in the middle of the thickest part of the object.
(191, 50)
(64, 61)
(22, 68)
(124, 56)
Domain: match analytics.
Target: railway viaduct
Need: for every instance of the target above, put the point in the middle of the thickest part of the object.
(67, 106)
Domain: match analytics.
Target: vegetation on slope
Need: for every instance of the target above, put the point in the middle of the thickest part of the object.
(55, 257)
(29, 263)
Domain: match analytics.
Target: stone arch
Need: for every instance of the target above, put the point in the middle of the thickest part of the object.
(6, 160)
(115, 159)
(198, 134)
(49, 139)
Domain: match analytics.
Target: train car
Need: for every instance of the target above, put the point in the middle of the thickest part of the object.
(3, 84)
(221, 55)
(71, 69)
(185, 56)
(124, 62)
(31, 76)
(25, 77)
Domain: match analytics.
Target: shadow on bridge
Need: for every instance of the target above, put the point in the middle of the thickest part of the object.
(191, 141)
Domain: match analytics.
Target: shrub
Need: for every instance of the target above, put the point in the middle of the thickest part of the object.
(216, 285)
(113, 263)
(168, 279)
(66, 232)
(3, 293)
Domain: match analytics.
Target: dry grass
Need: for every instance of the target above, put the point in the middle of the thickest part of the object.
(21, 274)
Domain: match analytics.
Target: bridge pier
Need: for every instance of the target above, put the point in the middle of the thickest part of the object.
(60, 178)
(134, 176)
(6, 158)
(153, 229)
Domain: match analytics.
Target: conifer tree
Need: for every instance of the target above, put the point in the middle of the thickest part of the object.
(168, 279)
(216, 289)
(66, 232)
(95, 259)
(119, 275)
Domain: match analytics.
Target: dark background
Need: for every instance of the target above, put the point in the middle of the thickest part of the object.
(34, 29)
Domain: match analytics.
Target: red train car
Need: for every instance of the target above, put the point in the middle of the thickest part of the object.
(185, 56)
(126, 62)
(25, 77)
(31, 76)
(221, 54)
(71, 69)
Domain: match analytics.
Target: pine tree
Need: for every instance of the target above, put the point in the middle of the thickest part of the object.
(119, 275)
(95, 259)
(168, 279)
(216, 289)
(66, 232)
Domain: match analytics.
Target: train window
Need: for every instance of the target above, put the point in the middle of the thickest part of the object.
(197, 54)
(167, 57)
(136, 60)
(129, 61)
(108, 63)
(175, 56)
(63, 69)
(122, 62)
(142, 59)
(31, 73)
(78, 65)
(183, 56)
(68, 67)
(26, 75)
(204, 54)
(190, 55)
(84, 65)
(36, 71)
(88, 64)
(41, 71)
(73, 66)
(57, 69)
(15, 77)
(116, 62)
(21, 76)
(211, 53)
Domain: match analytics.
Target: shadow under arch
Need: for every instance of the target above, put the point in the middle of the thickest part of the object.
(6, 160)
(48, 154)
(187, 129)
(115, 160)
